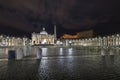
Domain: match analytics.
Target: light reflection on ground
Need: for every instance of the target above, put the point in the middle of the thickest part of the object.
(63, 64)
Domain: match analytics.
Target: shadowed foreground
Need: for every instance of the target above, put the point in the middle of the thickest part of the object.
(62, 67)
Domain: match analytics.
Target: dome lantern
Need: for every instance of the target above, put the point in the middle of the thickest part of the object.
(43, 32)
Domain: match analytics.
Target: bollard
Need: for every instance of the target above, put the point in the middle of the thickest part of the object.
(32, 51)
(11, 54)
(39, 53)
(26, 51)
(103, 52)
(111, 52)
(19, 53)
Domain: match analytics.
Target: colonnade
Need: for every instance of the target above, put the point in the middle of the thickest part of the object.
(13, 41)
(112, 40)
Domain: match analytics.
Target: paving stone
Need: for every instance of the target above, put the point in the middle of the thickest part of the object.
(54, 66)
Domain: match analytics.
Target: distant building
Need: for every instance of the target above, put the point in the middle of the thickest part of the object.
(68, 36)
(43, 37)
(103, 42)
(13, 41)
(86, 34)
(82, 34)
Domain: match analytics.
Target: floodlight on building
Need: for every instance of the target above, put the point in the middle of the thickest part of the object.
(104, 37)
(44, 41)
(112, 35)
(1, 36)
(85, 44)
(7, 37)
(117, 35)
(13, 37)
(108, 36)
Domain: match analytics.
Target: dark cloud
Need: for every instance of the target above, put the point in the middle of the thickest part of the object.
(29, 15)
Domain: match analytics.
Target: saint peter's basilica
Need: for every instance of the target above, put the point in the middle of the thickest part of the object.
(43, 37)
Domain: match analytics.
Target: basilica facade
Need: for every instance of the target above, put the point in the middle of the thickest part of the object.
(43, 37)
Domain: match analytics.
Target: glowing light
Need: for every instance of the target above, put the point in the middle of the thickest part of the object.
(6, 51)
(61, 51)
(44, 51)
(84, 44)
(44, 41)
(70, 51)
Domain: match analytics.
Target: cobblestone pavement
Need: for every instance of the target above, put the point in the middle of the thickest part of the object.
(19, 70)
(79, 68)
(62, 65)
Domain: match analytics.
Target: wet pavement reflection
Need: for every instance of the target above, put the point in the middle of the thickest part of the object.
(19, 70)
(63, 64)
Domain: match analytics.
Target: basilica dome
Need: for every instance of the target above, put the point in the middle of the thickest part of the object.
(43, 32)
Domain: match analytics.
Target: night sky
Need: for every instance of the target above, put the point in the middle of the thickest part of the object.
(21, 17)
